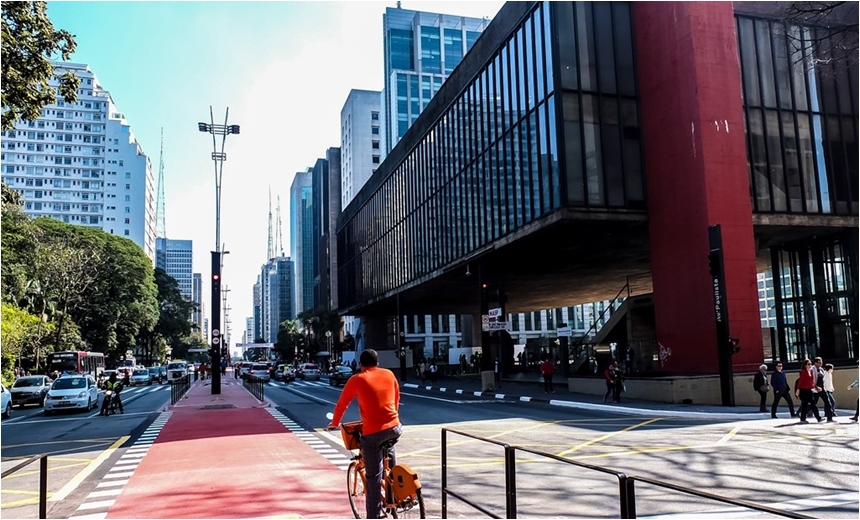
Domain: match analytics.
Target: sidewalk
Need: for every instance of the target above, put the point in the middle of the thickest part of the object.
(527, 387)
(226, 456)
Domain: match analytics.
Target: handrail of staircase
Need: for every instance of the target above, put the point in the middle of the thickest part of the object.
(611, 305)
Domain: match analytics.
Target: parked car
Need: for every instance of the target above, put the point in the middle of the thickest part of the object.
(158, 374)
(260, 371)
(72, 392)
(6, 402)
(245, 369)
(309, 371)
(339, 375)
(141, 376)
(30, 390)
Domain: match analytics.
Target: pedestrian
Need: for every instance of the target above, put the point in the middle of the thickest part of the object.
(619, 383)
(781, 390)
(818, 377)
(223, 367)
(804, 386)
(547, 370)
(202, 370)
(609, 377)
(433, 370)
(760, 385)
(422, 369)
(463, 363)
(827, 395)
(857, 409)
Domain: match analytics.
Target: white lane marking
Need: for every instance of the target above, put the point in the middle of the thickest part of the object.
(104, 493)
(112, 483)
(96, 505)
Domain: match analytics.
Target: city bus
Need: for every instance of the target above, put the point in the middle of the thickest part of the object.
(76, 362)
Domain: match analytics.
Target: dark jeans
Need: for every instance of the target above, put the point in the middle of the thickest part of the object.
(829, 404)
(807, 404)
(762, 404)
(547, 383)
(610, 390)
(784, 394)
(619, 387)
(372, 452)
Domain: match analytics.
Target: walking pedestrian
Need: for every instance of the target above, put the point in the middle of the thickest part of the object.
(827, 395)
(547, 370)
(619, 383)
(818, 377)
(433, 370)
(421, 371)
(781, 390)
(609, 375)
(760, 385)
(857, 409)
(805, 386)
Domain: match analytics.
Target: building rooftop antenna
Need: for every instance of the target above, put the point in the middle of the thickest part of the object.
(280, 246)
(161, 225)
(271, 252)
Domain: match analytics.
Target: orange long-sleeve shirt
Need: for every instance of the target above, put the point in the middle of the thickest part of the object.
(378, 396)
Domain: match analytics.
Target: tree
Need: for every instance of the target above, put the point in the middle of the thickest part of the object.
(289, 339)
(173, 327)
(29, 43)
(829, 34)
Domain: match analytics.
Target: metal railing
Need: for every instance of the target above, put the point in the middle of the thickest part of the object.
(43, 480)
(626, 484)
(178, 387)
(255, 386)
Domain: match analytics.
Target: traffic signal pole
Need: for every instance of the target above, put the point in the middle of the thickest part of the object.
(215, 351)
(726, 346)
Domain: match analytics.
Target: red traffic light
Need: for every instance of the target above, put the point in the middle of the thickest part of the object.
(216, 277)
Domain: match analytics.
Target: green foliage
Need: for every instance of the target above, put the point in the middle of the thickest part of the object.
(22, 334)
(29, 43)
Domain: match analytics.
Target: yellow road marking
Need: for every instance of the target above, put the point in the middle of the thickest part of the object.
(97, 440)
(729, 435)
(77, 479)
(23, 502)
(606, 436)
(19, 474)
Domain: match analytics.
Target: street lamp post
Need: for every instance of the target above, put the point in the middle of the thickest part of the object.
(218, 157)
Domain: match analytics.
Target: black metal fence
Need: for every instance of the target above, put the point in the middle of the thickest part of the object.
(626, 484)
(178, 387)
(43, 480)
(255, 386)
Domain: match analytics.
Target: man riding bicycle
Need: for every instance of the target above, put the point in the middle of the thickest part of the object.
(378, 396)
(116, 387)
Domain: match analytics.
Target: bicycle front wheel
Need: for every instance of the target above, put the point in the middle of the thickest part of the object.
(412, 507)
(355, 489)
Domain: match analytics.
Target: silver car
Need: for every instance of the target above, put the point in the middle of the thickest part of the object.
(309, 371)
(260, 371)
(141, 376)
(30, 390)
(76, 392)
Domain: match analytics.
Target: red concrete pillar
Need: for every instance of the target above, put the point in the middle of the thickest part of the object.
(696, 169)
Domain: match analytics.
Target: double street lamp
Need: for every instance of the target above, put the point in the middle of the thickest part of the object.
(218, 157)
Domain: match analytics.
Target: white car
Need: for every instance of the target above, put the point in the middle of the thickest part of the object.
(176, 371)
(6, 403)
(74, 392)
(260, 371)
(309, 371)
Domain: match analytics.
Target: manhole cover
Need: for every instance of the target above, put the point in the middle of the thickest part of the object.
(217, 406)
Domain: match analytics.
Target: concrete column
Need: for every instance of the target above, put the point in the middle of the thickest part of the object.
(697, 176)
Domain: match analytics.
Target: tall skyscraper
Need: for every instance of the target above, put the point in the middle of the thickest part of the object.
(421, 50)
(81, 163)
(301, 238)
(258, 310)
(176, 258)
(360, 141)
(277, 295)
(326, 209)
(197, 298)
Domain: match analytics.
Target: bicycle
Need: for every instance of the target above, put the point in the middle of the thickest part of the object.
(401, 489)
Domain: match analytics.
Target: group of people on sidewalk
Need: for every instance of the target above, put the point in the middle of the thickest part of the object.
(614, 382)
(814, 382)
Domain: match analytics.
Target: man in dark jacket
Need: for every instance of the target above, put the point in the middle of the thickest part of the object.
(781, 390)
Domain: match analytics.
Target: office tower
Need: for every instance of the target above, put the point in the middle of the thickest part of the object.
(81, 163)
(197, 298)
(301, 238)
(421, 50)
(258, 310)
(277, 295)
(175, 257)
(326, 209)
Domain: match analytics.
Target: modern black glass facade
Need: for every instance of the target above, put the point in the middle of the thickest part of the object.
(801, 120)
(527, 134)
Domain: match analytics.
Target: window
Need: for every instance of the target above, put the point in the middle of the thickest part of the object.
(374, 130)
(374, 116)
(375, 145)
(125, 232)
(375, 159)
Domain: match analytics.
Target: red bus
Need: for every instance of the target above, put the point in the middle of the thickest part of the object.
(76, 362)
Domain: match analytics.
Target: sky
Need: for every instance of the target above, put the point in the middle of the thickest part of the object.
(284, 70)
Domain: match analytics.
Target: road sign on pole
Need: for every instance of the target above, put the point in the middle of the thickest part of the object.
(498, 325)
(495, 313)
(563, 332)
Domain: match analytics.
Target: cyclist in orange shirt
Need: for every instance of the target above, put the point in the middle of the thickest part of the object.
(378, 396)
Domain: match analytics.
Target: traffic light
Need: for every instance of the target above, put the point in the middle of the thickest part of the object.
(714, 263)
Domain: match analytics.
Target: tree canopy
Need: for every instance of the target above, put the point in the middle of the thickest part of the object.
(30, 42)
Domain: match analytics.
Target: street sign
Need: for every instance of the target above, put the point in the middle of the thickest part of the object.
(485, 318)
(495, 313)
(215, 341)
(485, 326)
(563, 332)
(216, 332)
(498, 325)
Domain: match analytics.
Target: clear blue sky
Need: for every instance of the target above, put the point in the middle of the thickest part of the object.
(283, 68)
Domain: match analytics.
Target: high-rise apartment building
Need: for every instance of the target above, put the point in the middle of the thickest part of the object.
(326, 193)
(277, 295)
(176, 258)
(421, 50)
(301, 238)
(197, 298)
(81, 163)
(360, 141)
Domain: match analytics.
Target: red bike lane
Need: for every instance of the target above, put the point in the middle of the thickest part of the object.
(226, 456)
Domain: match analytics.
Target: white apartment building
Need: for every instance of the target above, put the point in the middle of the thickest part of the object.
(81, 163)
(360, 141)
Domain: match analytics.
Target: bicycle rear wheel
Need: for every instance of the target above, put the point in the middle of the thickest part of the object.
(355, 489)
(412, 507)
